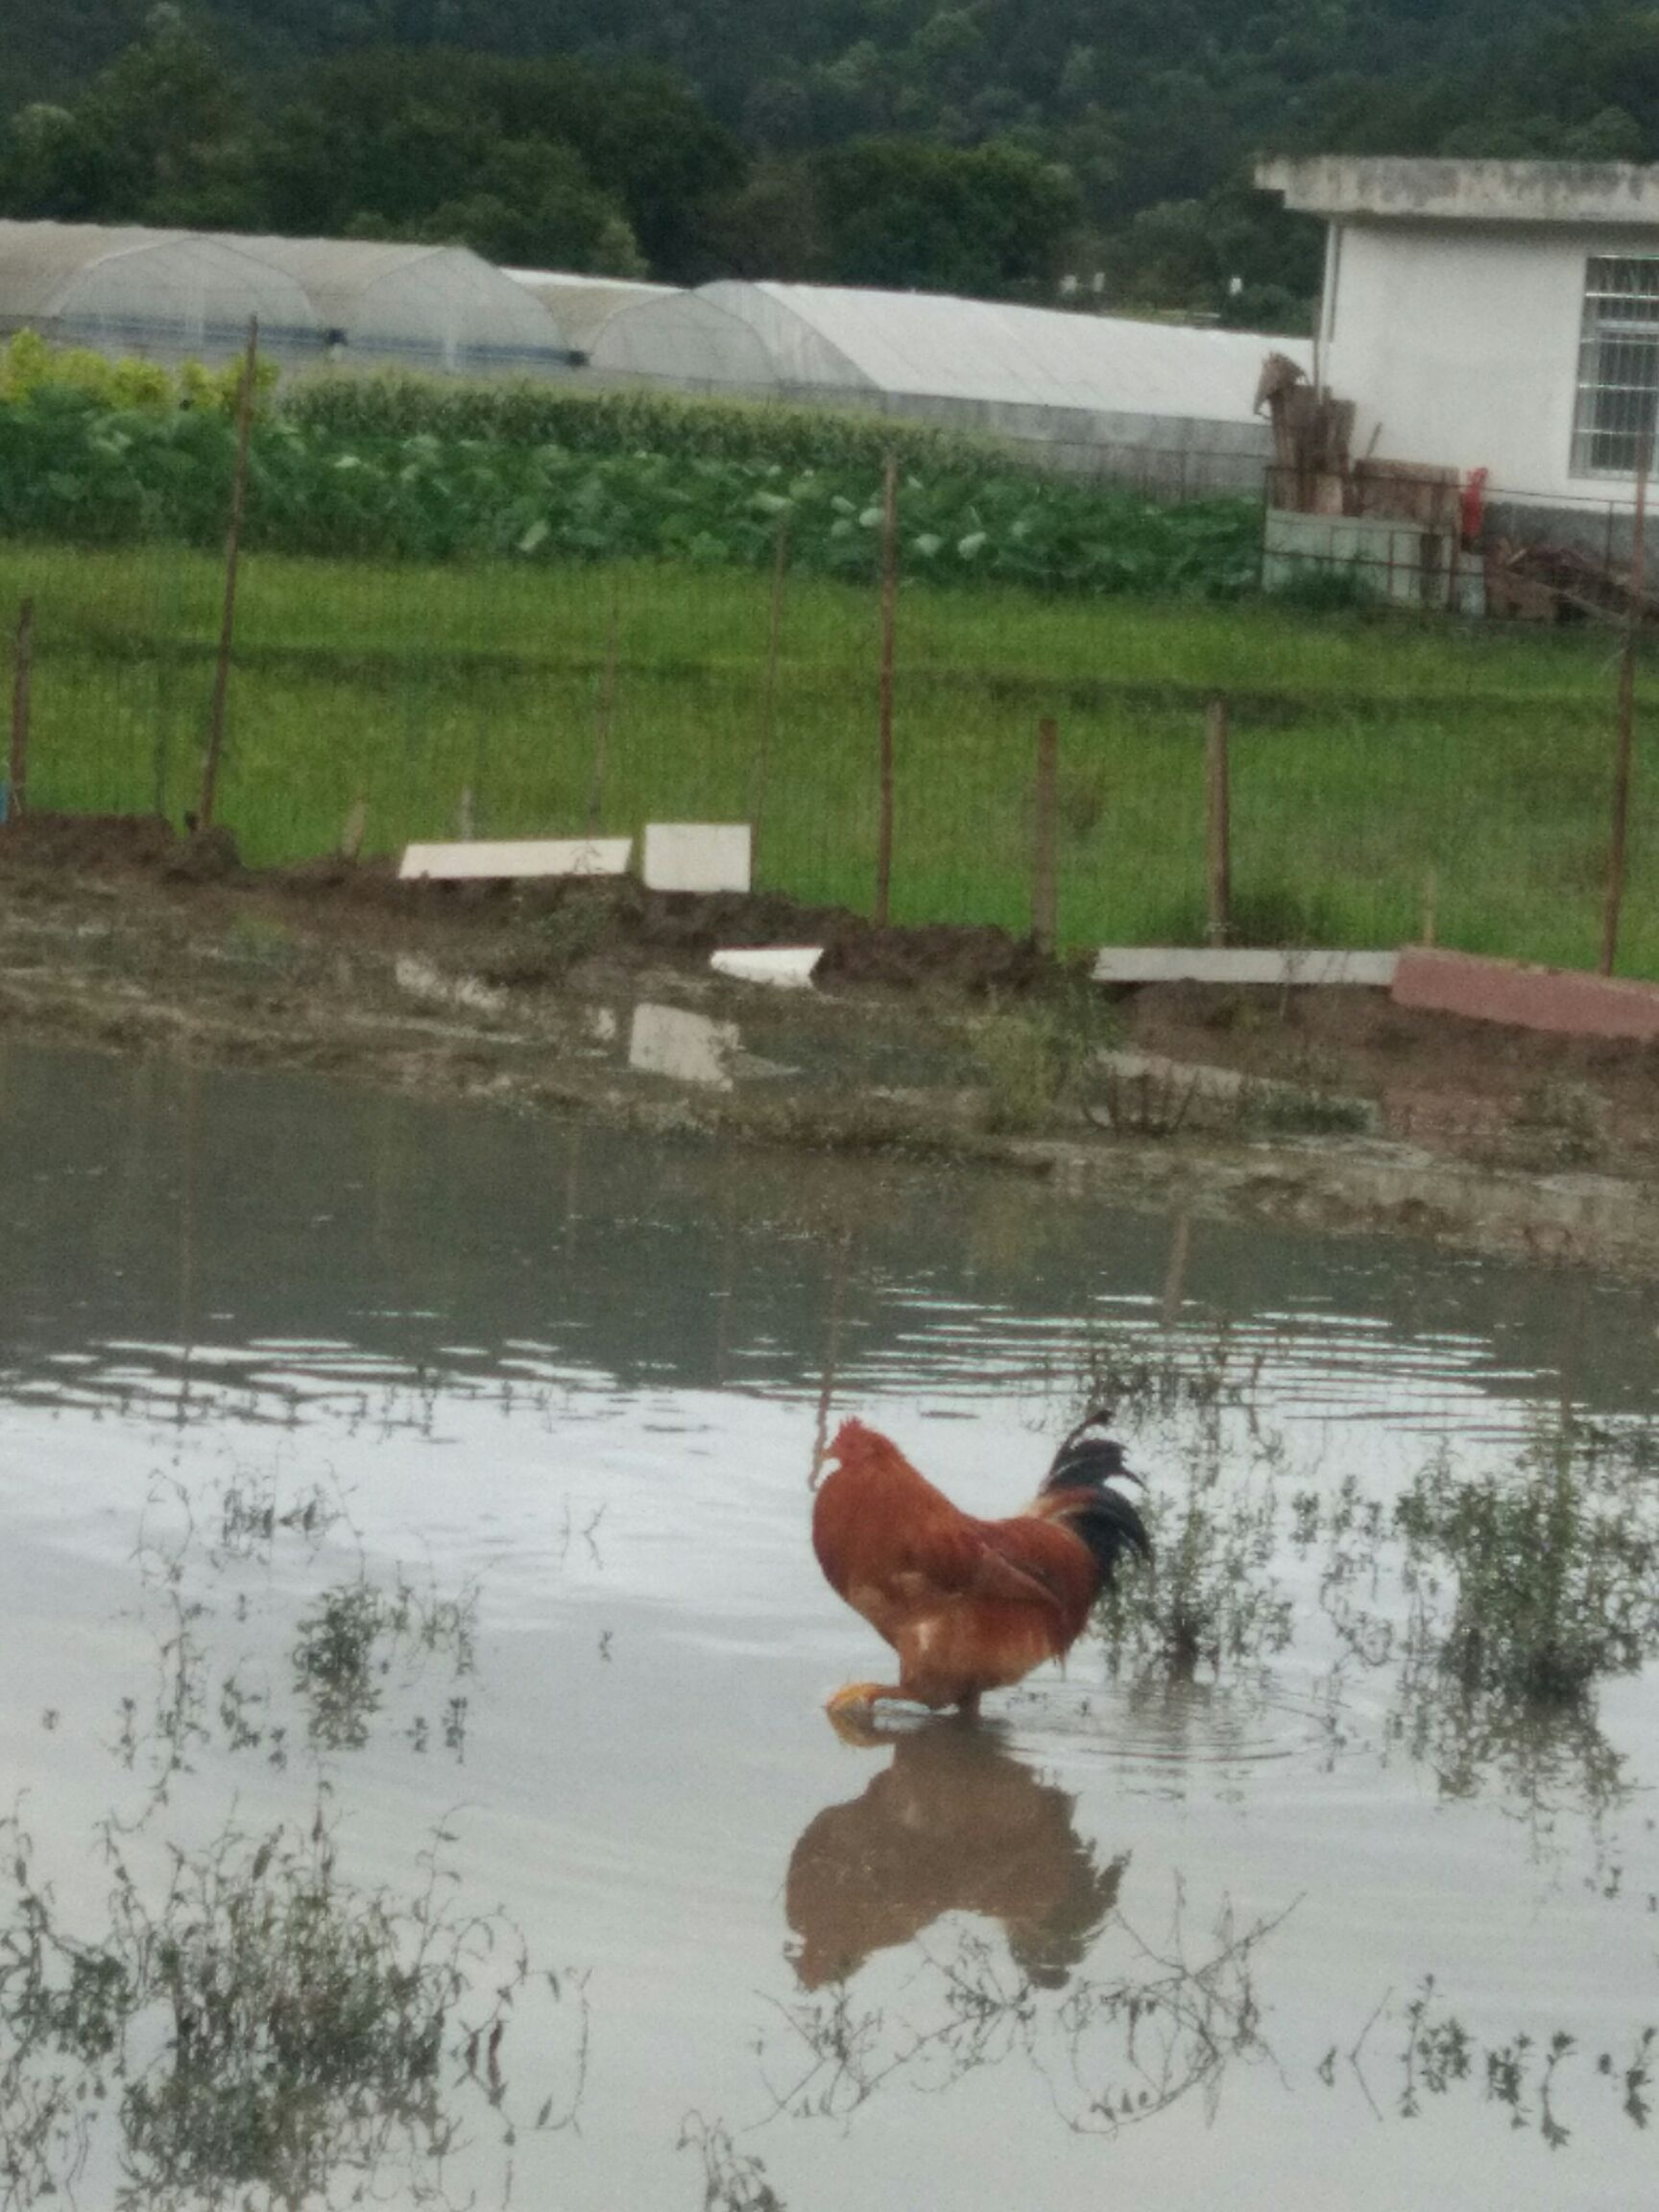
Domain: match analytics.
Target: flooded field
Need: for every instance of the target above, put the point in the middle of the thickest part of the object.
(415, 1787)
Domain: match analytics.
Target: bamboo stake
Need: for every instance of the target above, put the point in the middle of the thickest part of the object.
(889, 601)
(831, 1356)
(1219, 822)
(232, 564)
(607, 710)
(1045, 889)
(1431, 897)
(17, 772)
(769, 691)
(1626, 738)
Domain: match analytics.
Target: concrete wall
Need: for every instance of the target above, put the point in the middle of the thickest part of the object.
(1459, 345)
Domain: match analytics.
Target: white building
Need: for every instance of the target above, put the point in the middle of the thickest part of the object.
(1497, 315)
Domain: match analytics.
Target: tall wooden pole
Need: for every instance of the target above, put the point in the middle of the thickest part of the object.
(17, 771)
(1219, 816)
(769, 690)
(232, 564)
(1626, 738)
(1045, 888)
(889, 607)
(607, 714)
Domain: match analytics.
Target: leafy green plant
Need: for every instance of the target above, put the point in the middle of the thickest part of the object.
(1032, 1051)
(75, 467)
(394, 405)
(29, 366)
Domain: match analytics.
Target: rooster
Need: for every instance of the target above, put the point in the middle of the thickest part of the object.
(969, 1605)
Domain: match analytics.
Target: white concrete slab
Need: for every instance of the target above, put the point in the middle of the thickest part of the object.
(1208, 964)
(692, 1048)
(785, 967)
(487, 858)
(698, 857)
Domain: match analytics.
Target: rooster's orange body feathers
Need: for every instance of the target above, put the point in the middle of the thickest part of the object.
(969, 1605)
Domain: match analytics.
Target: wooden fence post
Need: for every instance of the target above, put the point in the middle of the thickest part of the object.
(1626, 717)
(606, 713)
(17, 771)
(769, 693)
(232, 564)
(1045, 888)
(889, 604)
(1219, 839)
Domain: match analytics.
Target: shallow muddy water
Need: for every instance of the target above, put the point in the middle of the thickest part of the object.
(414, 1656)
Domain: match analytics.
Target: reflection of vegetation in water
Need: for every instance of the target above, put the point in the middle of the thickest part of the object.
(734, 2181)
(1524, 2075)
(350, 1646)
(260, 2028)
(1113, 2049)
(348, 1643)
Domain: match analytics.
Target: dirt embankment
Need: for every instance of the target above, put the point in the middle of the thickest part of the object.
(1329, 1107)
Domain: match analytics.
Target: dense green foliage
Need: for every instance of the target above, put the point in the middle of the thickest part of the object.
(72, 469)
(539, 413)
(984, 144)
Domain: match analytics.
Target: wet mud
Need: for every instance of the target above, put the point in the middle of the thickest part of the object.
(1332, 1109)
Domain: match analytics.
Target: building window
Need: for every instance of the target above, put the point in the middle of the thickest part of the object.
(1617, 364)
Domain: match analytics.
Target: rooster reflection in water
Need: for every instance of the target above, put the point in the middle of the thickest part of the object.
(969, 1605)
(955, 1824)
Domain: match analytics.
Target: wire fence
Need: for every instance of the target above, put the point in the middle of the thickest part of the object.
(1387, 779)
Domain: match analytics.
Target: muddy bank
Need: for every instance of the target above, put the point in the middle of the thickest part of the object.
(1328, 1108)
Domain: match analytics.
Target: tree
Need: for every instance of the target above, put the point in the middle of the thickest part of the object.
(907, 214)
(162, 136)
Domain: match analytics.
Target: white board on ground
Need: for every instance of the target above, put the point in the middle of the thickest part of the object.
(785, 966)
(690, 1048)
(497, 859)
(1228, 964)
(697, 857)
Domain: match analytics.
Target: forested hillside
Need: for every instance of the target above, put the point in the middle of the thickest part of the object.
(990, 145)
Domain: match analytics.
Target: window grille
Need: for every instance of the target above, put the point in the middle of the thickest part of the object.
(1617, 364)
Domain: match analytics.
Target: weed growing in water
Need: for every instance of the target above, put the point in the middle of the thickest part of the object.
(1033, 1051)
(1556, 1568)
(1212, 1597)
(303, 2026)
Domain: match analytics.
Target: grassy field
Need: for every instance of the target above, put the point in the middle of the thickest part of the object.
(1366, 753)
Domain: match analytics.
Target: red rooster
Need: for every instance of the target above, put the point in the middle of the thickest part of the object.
(969, 1605)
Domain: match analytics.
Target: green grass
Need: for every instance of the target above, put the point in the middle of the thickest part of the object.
(1366, 751)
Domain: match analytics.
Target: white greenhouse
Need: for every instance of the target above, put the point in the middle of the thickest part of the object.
(420, 306)
(167, 295)
(687, 340)
(583, 306)
(1163, 404)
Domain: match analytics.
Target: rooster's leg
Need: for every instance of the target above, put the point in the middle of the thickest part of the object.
(861, 1696)
(852, 1710)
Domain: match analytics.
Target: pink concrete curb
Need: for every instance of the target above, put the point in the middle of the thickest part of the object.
(1562, 999)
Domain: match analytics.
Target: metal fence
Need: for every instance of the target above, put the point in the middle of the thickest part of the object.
(1379, 772)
